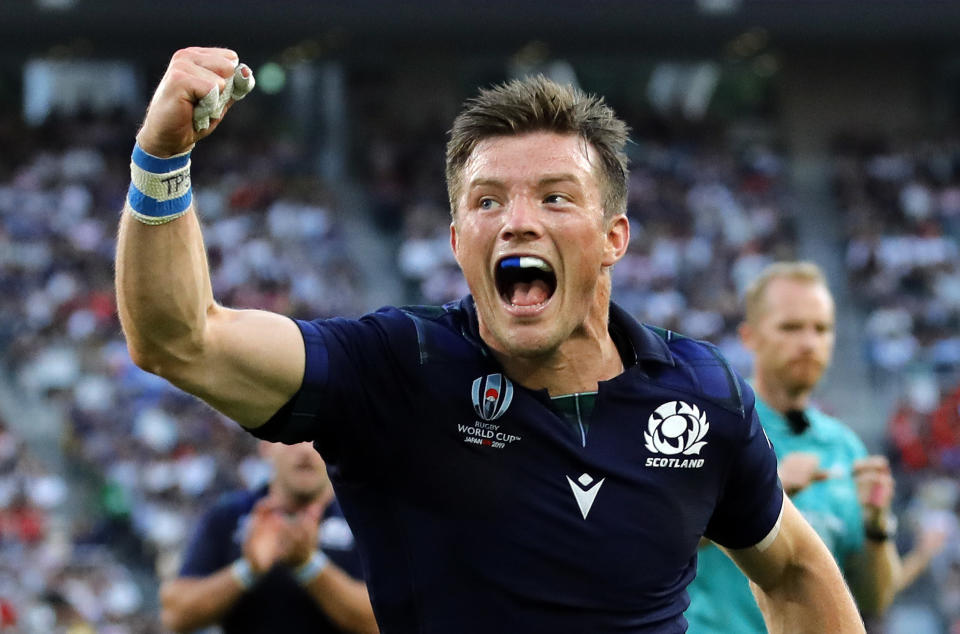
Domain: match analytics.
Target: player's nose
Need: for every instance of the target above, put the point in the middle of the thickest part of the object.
(523, 219)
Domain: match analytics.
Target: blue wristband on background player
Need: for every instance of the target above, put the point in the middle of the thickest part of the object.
(160, 188)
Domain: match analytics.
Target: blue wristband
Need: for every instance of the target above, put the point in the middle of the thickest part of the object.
(160, 188)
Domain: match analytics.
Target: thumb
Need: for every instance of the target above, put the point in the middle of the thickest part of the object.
(819, 474)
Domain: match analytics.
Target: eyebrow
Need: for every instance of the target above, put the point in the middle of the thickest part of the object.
(548, 179)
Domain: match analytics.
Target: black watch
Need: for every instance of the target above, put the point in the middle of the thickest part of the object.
(881, 528)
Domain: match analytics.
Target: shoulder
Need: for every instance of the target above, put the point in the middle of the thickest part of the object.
(445, 333)
(222, 518)
(407, 331)
(233, 505)
(837, 430)
(701, 369)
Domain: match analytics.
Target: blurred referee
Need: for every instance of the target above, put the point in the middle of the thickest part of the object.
(843, 492)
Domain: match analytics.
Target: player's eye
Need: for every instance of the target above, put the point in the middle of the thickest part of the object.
(487, 203)
(556, 199)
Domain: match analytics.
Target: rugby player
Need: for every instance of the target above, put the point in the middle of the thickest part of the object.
(498, 458)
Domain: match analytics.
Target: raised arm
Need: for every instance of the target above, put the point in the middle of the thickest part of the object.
(245, 363)
(796, 581)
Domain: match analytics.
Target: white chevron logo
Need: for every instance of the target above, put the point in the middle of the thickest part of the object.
(584, 492)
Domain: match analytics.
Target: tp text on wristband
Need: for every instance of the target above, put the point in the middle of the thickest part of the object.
(159, 187)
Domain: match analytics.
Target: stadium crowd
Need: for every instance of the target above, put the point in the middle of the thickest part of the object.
(153, 457)
(900, 204)
(901, 208)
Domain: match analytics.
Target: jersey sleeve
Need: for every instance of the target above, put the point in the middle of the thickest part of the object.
(207, 551)
(354, 375)
(752, 498)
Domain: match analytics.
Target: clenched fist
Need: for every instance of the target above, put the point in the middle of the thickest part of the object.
(195, 76)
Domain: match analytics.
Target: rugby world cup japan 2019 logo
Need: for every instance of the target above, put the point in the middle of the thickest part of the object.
(675, 428)
(491, 395)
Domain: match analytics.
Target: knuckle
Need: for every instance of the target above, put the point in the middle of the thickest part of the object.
(178, 73)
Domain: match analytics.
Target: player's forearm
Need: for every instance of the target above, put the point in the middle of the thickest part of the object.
(163, 291)
(188, 603)
(344, 600)
(808, 593)
(810, 602)
(796, 581)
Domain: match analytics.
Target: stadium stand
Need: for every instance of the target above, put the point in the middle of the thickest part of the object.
(150, 457)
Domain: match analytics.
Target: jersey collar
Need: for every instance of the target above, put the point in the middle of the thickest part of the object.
(635, 341)
(644, 344)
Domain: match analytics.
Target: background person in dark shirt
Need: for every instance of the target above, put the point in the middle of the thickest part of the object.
(277, 559)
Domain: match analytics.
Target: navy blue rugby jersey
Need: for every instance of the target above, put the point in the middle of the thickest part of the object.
(477, 507)
(276, 600)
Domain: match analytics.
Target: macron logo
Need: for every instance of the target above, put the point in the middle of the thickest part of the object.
(585, 491)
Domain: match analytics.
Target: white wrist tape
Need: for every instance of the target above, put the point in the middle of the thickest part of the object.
(159, 188)
(242, 571)
(307, 572)
(212, 104)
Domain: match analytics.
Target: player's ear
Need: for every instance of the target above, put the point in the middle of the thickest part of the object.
(454, 240)
(617, 239)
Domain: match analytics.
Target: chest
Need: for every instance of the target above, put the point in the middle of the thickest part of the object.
(633, 479)
(334, 535)
(830, 506)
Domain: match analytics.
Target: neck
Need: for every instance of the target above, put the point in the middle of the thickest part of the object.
(780, 398)
(588, 356)
(578, 366)
(292, 502)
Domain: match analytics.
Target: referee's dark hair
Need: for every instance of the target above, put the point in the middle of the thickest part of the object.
(537, 104)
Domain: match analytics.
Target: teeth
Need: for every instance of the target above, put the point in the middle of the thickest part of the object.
(526, 262)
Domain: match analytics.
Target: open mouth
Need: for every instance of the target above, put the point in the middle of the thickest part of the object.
(525, 281)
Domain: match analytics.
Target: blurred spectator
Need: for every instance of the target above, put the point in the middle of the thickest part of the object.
(283, 548)
(47, 582)
(901, 206)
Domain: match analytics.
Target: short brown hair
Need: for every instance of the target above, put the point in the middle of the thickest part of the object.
(538, 104)
(799, 271)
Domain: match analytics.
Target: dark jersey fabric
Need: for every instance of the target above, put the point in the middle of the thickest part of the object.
(276, 603)
(479, 508)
